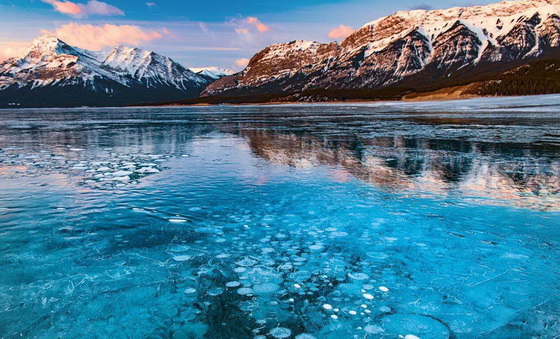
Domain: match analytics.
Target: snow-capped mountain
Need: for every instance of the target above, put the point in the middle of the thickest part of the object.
(212, 72)
(418, 48)
(53, 73)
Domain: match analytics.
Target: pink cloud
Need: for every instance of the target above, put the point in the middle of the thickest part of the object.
(77, 10)
(242, 62)
(10, 49)
(108, 35)
(241, 30)
(340, 32)
(248, 25)
(262, 28)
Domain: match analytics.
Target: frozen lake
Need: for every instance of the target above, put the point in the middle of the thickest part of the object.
(434, 220)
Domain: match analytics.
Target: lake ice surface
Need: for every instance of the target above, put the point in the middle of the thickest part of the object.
(391, 220)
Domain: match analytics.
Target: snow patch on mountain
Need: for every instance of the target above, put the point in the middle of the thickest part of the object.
(212, 71)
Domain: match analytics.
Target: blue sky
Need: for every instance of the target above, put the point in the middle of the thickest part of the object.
(196, 33)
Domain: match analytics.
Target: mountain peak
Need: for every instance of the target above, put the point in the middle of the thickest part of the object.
(47, 45)
(123, 75)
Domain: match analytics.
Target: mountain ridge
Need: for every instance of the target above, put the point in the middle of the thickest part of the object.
(407, 49)
(124, 75)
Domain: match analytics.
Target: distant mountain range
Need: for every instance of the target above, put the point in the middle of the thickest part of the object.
(212, 72)
(418, 50)
(507, 48)
(53, 73)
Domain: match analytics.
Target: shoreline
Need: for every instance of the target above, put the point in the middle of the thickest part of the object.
(432, 97)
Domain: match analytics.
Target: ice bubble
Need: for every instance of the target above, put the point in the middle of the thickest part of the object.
(216, 291)
(327, 307)
(364, 306)
(286, 266)
(190, 291)
(223, 256)
(297, 286)
(316, 247)
(265, 288)
(182, 258)
(121, 173)
(424, 326)
(334, 316)
(177, 220)
(358, 276)
(305, 336)
(245, 291)
(247, 262)
(239, 269)
(232, 284)
(411, 336)
(338, 234)
(352, 312)
(383, 289)
(180, 248)
(267, 250)
(368, 296)
(280, 332)
(372, 329)
(385, 309)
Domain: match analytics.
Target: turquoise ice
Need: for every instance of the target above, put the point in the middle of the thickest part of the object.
(328, 221)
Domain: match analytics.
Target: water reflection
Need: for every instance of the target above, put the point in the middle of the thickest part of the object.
(505, 157)
(498, 172)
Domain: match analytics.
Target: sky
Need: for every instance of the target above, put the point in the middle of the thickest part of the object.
(195, 33)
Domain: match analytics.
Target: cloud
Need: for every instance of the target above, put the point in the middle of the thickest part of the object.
(340, 32)
(98, 37)
(262, 28)
(10, 49)
(242, 62)
(241, 30)
(77, 10)
(248, 25)
(151, 4)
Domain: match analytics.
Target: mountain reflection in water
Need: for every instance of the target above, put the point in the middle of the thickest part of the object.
(502, 173)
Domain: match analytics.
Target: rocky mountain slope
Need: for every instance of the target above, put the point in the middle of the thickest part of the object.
(414, 49)
(53, 73)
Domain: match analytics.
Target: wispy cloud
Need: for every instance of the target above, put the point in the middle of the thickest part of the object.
(151, 4)
(98, 37)
(243, 62)
(248, 25)
(241, 30)
(340, 32)
(78, 10)
(262, 28)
